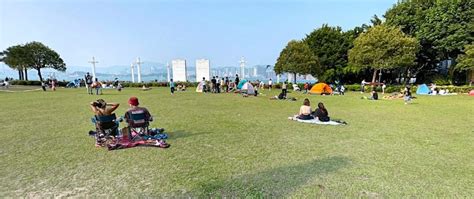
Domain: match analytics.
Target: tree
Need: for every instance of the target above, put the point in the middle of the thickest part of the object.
(466, 60)
(16, 58)
(41, 56)
(296, 58)
(442, 27)
(330, 46)
(383, 47)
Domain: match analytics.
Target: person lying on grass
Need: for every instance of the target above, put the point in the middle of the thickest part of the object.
(305, 111)
(321, 113)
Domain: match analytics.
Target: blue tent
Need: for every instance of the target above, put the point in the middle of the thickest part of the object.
(241, 83)
(422, 90)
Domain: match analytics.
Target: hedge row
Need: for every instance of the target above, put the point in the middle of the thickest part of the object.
(353, 87)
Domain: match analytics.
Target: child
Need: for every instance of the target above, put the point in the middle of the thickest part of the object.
(407, 95)
(172, 86)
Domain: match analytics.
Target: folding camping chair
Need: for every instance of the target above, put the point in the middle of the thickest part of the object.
(106, 128)
(138, 123)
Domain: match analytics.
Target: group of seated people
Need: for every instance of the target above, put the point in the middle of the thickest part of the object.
(106, 122)
(306, 113)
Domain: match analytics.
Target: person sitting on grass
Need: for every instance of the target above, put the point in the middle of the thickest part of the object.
(321, 113)
(375, 95)
(305, 111)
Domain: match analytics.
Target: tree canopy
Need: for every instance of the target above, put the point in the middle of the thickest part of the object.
(330, 46)
(466, 60)
(297, 58)
(33, 55)
(383, 47)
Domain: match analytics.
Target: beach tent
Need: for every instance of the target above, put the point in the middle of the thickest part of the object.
(248, 88)
(471, 93)
(423, 90)
(241, 83)
(321, 88)
(199, 87)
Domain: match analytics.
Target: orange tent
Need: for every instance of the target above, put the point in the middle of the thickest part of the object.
(321, 88)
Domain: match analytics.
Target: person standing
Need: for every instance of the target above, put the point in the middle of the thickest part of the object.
(407, 95)
(362, 85)
(43, 86)
(222, 84)
(283, 88)
(237, 80)
(218, 85)
(53, 84)
(204, 86)
(383, 87)
(270, 84)
(213, 84)
(172, 86)
(89, 82)
(226, 84)
(98, 86)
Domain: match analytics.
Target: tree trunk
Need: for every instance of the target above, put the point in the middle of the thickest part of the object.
(26, 74)
(294, 79)
(20, 74)
(39, 74)
(374, 76)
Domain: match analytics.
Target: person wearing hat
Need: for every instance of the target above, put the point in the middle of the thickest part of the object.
(133, 103)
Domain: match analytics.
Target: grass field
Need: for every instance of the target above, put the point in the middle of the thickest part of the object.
(227, 145)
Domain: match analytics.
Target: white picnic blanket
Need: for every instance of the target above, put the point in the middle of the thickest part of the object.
(315, 121)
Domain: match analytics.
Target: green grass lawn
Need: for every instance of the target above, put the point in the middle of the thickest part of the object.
(227, 145)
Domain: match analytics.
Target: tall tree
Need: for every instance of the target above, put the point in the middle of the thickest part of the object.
(466, 61)
(441, 27)
(296, 58)
(330, 45)
(383, 47)
(16, 58)
(41, 56)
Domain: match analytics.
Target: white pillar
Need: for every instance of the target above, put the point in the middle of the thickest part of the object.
(242, 67)
(278, 78)
(168, 72)
(139, 72)
(133, 73)
(93, 68)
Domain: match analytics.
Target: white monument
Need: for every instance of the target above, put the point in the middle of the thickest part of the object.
(179, 70)
(202, 69)
(93, 62)
(168, 71)
(242, 67)
(139, 71)
(133, 73)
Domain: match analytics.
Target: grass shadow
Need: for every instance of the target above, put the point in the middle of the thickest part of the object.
(277, 182)
(183, 134)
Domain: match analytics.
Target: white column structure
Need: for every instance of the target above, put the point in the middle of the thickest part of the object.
(278, 78)
(139, 71)
(93, 62)
(133, 73)
(242, 67)
(202, 69)
(168, 71)
(179, 70)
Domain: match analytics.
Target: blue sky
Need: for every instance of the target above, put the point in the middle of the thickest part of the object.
(116, 32)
